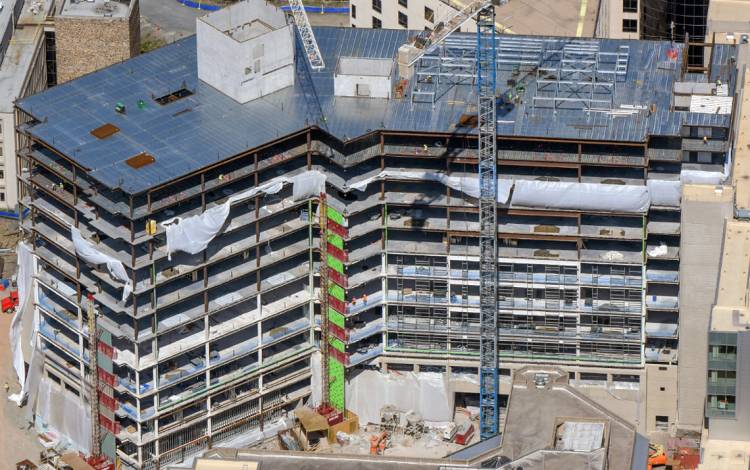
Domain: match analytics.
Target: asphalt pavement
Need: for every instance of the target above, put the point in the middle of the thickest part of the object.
(169, 17)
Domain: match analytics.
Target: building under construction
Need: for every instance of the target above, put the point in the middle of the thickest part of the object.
(178, 200)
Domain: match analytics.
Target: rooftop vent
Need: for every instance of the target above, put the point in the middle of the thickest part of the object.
(102, 132)
(174, 96)
(140, 160)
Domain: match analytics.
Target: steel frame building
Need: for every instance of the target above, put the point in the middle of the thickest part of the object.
(211, 345)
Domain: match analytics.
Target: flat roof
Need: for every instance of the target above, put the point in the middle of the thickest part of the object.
(96, 8)
(10, 8)
(725, 455)
(224, 464)
(17, 62)
(536, 411)
(364, 66)
(741, 164)
(730, 313)
(208, 126)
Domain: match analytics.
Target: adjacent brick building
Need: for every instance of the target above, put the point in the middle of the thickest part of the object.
(91, 36)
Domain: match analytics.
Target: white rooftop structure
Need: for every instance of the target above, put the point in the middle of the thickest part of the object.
(246, 50)
(363, 77)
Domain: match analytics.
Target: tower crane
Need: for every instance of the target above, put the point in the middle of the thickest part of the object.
(312, 52)
(489, 413)
(486, 70)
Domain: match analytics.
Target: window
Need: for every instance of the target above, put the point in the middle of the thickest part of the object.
(630, 6)
(662, 423)
(2, 174)
(403, 20)
(429, 15)
(403, 3)
(2, 197)
(376, 23)
(377, 5)
(354, 11)
(629, 26)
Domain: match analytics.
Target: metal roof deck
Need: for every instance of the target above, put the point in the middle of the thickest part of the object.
(207, 126)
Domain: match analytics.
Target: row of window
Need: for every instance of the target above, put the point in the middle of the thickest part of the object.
(630, 25)
(403, 19)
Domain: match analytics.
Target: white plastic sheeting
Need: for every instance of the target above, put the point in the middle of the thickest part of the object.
(701, 177)
(464, 184)
(660, 250)
(580, 196)
(428, 393)
(316, 380)
(308, 184)
(664, 193)
(64, 413)
(18, 335)
(86, 250)
(193, 234)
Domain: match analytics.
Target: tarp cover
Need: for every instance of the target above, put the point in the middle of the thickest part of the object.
(428, 393)
(91, 255)
(468, 185)
(64, 413)
(701, 177)
(20, 337)
(664, 193)
(193, 234)
(580, 196)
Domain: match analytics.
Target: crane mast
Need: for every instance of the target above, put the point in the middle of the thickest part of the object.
(487, 140)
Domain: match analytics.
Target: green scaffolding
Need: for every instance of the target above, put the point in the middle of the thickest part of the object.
(336, 369)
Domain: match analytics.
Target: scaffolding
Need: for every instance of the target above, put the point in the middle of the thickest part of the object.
(453, 62)
(580, 76)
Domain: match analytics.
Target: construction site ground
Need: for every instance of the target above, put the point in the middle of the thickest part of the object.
(430, 445)
(17, 441)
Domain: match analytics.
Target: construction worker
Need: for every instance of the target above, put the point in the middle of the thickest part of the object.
(6, 387)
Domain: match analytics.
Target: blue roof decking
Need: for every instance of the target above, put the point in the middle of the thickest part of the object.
(208, 126)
